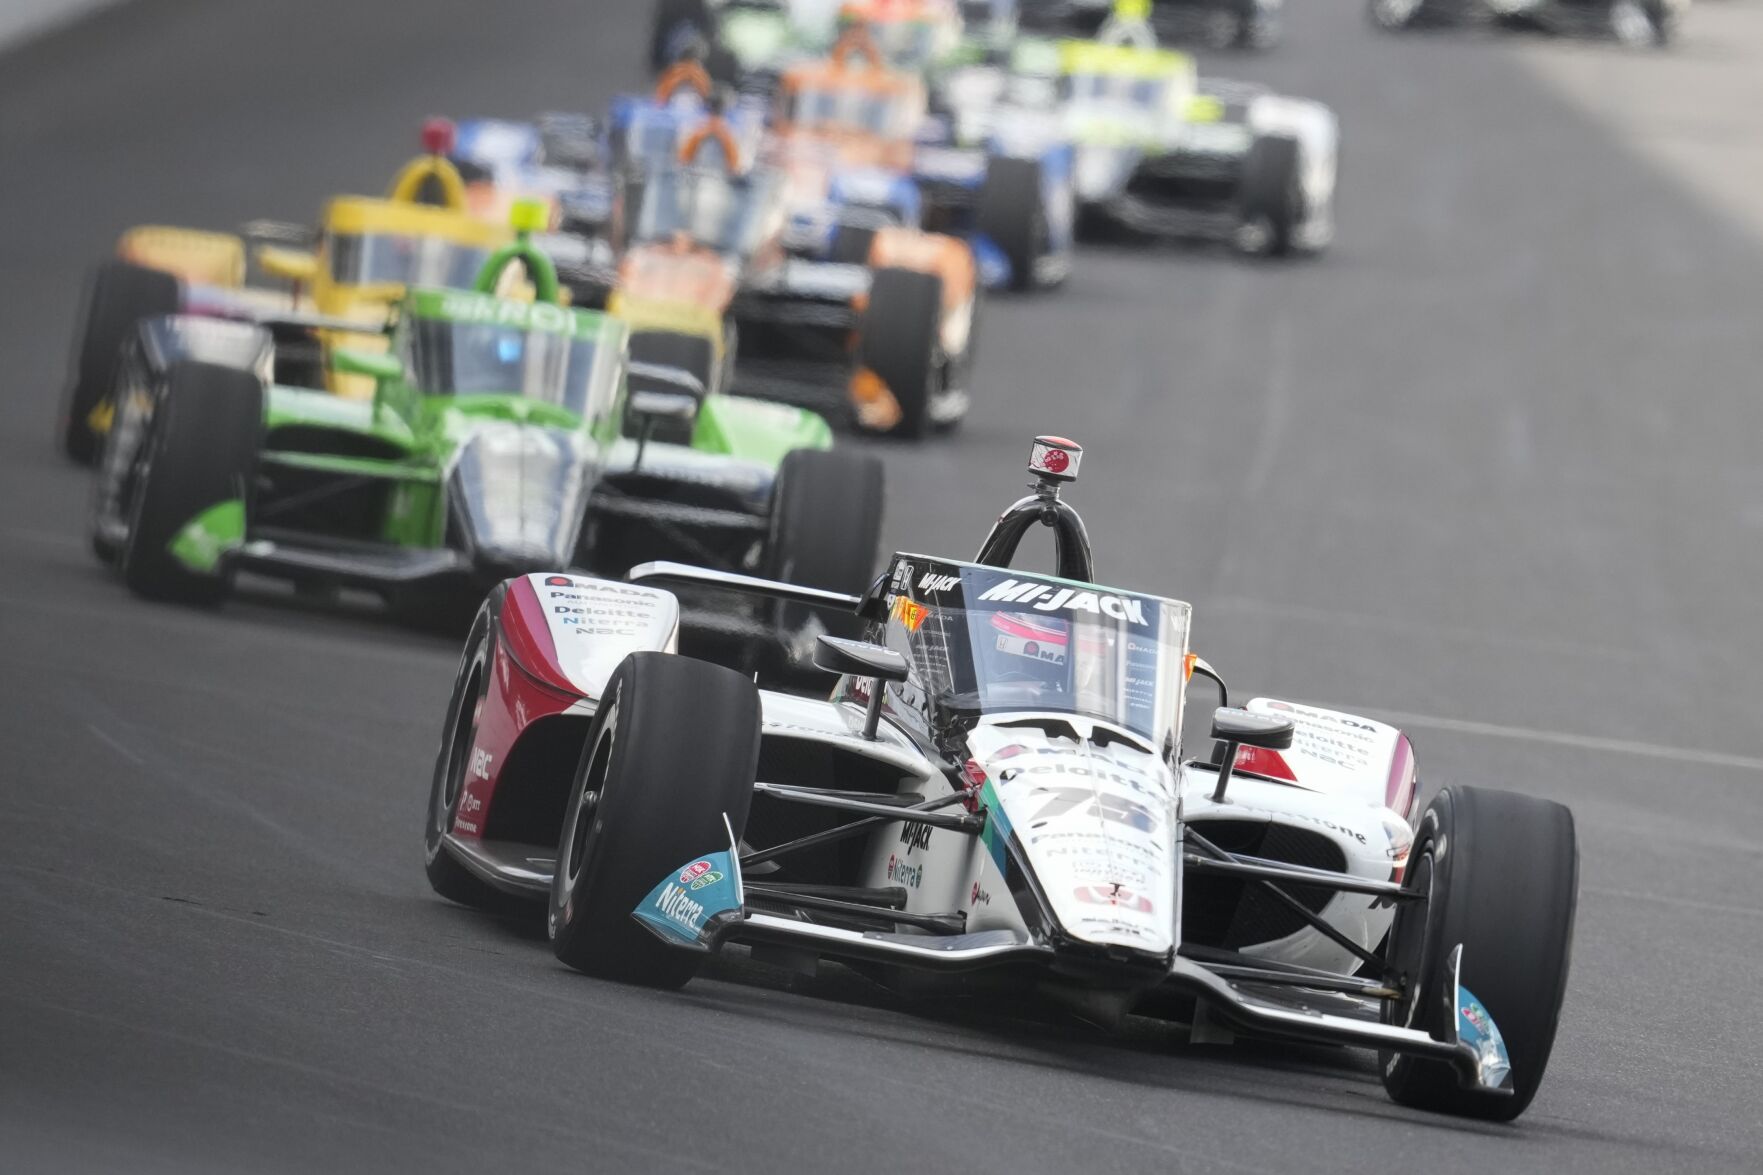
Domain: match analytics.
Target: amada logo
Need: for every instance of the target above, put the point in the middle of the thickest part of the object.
(559, 581)
(1044, 597)
(693, 871)
(676, 906)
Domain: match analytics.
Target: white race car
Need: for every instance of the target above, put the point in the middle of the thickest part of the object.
(998, 787)
(1641, 23)
(1156, 149)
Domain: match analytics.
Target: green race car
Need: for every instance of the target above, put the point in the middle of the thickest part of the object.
(504, 436)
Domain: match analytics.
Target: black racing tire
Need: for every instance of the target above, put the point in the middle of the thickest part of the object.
(669, 16)
(673, 749)
(900, 342)
(826, 513)
(1012, 213)
(851, 244)
(1394, 16)
(118, 296)
(471, 684)
(1503, 873)
(200, 451)
(1270, 193)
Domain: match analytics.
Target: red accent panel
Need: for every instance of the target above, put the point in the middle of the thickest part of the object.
(1263, 762)
(519, 695)
(528, 637)
(1399, 793)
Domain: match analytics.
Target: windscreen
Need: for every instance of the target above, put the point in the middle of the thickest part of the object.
(989, 640)
(727, 214)
(472, 358)
(371, 259)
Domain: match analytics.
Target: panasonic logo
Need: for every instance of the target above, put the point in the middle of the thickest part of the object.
(1047, 598)
(674, 903)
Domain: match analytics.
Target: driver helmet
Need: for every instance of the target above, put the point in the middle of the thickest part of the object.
(1027, 646)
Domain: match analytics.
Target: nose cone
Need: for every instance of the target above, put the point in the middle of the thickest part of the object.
(518, 492)
(1097, 826)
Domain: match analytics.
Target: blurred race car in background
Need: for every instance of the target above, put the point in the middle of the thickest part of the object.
(998, 790)
(503, 435)
(1158, 150)
(314, 288)
(1641, 23)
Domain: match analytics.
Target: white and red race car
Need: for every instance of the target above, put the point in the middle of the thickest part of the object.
(998, 787)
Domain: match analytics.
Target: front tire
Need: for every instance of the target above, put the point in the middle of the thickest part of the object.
(119, 297)
(647, 799)
(200, 454)
(1502, 870)
(1270, 196)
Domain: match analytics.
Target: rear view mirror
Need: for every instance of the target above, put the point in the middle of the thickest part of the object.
(1244, 728)
(858, 659)
(861, 659)
(1248, 729)
(663, 405)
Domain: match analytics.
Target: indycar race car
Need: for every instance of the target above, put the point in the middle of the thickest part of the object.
(1640, 23)
(998, 788)
(503, 436)
(811, 251)
(367, 250)
(1158, 151)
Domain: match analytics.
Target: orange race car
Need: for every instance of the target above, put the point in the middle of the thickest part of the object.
(844, 307)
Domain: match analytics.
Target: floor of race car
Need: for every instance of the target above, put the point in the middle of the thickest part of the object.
(1487, 468)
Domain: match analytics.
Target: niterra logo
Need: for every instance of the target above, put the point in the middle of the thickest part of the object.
(1044, 597)
(674, 903)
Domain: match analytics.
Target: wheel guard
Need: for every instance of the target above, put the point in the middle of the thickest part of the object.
(1472, 1026)
(691, 908)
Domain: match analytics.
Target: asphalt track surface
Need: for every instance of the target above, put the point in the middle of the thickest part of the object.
(1488, 467)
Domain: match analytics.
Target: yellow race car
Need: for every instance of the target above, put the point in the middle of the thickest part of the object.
(333, 291)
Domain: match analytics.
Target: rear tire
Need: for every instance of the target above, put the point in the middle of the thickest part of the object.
(1012, 213)
(201, 451)
(649, 796)
(1503, 872)
(118, 297)
(900, 342)
(1270, 197)
(825, 530)
(446, 875)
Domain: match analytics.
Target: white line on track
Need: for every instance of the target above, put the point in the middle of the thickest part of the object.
(111, 742)
(1663, 899)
